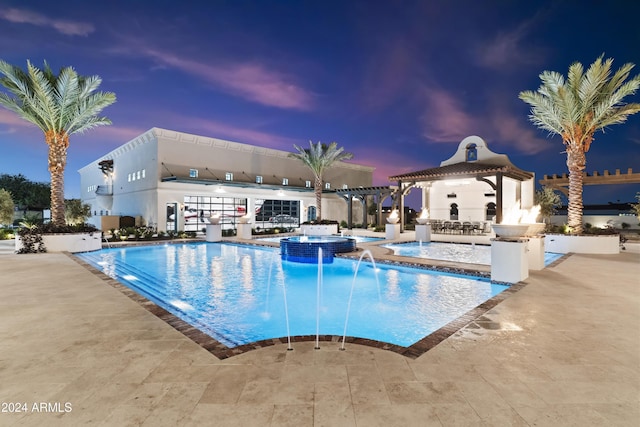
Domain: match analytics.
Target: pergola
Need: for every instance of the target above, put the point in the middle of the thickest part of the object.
(361, 193)
(476, 170)
(561, 182)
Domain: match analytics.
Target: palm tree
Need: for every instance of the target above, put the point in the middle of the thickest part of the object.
(60, 106)
(575, 109)
(318, 157)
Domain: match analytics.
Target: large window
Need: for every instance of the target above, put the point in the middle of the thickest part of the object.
(197, 210)
(276, 213)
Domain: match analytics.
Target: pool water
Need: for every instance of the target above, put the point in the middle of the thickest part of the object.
(458, 252)
(358, 239)
(236, 293)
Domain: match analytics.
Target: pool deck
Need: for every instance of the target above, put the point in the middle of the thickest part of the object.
(564, 350)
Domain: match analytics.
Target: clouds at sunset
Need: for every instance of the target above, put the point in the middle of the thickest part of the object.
(66, 27)
(399, 84)
(253, 81)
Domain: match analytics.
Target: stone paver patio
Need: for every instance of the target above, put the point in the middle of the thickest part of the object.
(564, 350)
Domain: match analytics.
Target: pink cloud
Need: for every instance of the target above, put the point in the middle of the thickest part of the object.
(13, 120)
(444, 119)
(251, 81)
(506, 126)
(70, 28)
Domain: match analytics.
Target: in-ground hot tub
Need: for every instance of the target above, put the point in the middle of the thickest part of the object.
(305, 248)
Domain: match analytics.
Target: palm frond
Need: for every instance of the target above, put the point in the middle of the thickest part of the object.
(584, 103)
(43, 102)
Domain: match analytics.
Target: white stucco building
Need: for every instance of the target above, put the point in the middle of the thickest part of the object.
(475, 184)
(174, 181)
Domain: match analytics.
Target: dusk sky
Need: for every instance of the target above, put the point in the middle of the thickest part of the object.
(397, 83)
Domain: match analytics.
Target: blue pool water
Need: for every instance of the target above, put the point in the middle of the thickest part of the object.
(235, 293)
(474, 254)
(358, 239)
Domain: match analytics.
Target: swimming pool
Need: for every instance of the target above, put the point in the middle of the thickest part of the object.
(458, 252)
(358, 239)
(236, 293)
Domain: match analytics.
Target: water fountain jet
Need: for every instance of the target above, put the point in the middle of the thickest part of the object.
(353, 283)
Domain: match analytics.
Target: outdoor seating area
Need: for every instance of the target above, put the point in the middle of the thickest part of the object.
(460, 227)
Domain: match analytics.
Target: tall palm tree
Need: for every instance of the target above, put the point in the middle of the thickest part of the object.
(319, 157)
(575, 109)
(60, 105)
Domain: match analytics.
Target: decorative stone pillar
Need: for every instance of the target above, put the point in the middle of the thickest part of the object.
(423, 232)
(392, 231)
(535, 252)
(509, 261)
(214, 233)
(244, 230)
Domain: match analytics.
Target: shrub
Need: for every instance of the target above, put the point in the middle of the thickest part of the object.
(32, 242)
(6, 233)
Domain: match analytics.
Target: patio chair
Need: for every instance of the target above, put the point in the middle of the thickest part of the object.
(457, 227)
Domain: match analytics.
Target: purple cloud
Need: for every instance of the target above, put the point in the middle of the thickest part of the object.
(505, 51)
(508, 127)
(444, 119)
(70, 28)
(252, 81)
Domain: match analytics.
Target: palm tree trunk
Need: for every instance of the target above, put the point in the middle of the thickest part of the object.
(58, 143)
(576, 163)
(317, 189)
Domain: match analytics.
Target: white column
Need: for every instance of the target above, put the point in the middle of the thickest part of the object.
(423, 232)
(392, 231)
(244, 231)
(214, 233)
(535, 252)
(509, 262)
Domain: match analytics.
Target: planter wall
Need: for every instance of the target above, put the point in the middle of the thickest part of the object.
(319, 230)
(72, 242)
(596, 244)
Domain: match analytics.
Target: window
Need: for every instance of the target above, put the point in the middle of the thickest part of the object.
(345, 186)
(490, 211)
(143, 172)
(327, 186)
(453, 211)
(307, 184)
(193, 173)
(259, 179)
(228, 176)
(471, 153)
(311, 213)
(138, 175)
(129, 178)
(285, 181)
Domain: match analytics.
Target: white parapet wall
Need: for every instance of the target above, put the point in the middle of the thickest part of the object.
(71, 242)
(319, 230)
(583, 244)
